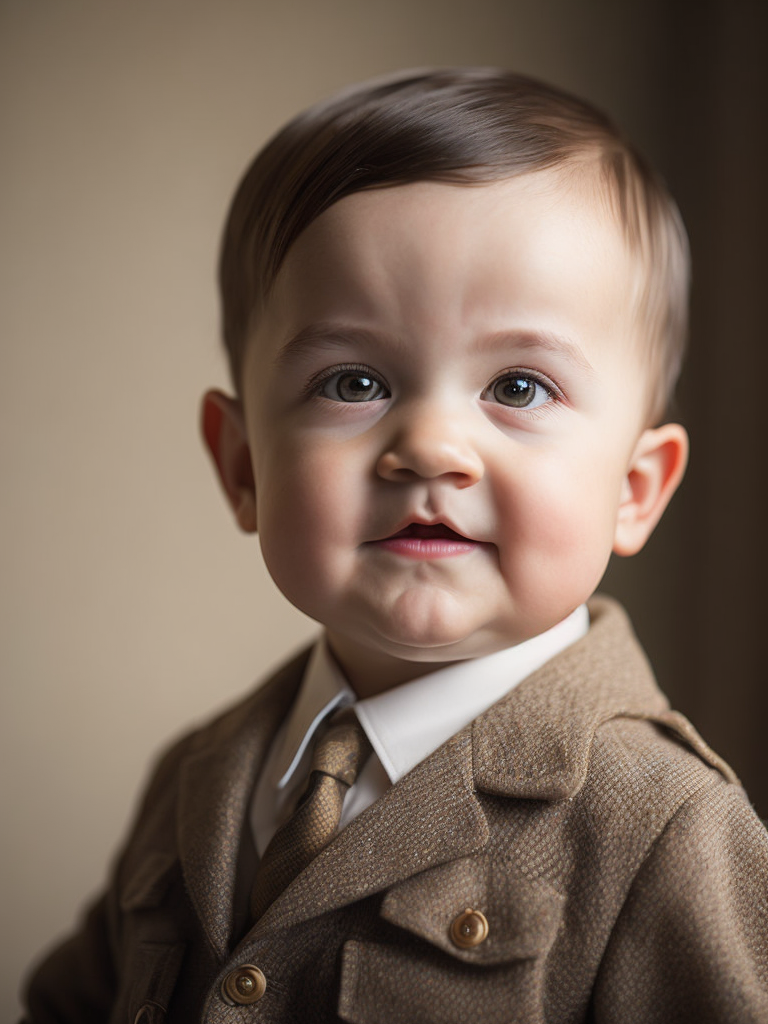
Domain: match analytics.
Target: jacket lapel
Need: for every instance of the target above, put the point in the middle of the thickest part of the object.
(215, 789)
(431, 816)
(535, 743)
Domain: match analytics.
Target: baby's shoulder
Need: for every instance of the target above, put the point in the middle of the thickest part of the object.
(658, 758)
(645, 773)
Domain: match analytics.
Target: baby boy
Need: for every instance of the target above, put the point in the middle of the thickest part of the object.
(454, 305)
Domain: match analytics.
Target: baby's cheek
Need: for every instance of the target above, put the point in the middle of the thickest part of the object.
(301, 541)
(542, 513)
(558, 539)
(287, 537)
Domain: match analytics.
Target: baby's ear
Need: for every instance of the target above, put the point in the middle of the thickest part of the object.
(223, 426)
(657, 467)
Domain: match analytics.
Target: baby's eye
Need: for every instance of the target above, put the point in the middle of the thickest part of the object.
(518, 391)
(353, 386)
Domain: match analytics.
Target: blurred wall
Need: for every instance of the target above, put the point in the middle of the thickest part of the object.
(697, 592)
(130, 606)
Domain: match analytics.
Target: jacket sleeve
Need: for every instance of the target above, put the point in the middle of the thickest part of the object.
(80, 981)
(76, 983)
(691, 942)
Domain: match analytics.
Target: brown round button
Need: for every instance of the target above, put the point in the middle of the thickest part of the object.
(246, 984)
(469, 929)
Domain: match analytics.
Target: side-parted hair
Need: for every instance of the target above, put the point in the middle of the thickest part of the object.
(461, 126)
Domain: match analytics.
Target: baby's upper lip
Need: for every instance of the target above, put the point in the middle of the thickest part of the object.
(423, 529)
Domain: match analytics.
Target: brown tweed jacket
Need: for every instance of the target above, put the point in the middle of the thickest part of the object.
(622, 872)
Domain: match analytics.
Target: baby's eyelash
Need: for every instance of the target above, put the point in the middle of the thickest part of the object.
(314, 385)
(553, 392)
(522, 371)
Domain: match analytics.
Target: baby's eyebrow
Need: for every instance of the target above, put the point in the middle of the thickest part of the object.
(534, 341)
(322, 335)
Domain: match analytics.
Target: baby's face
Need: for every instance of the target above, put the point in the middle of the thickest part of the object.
(443, 401)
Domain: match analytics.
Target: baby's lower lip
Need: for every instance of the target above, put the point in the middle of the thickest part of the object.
(426, 542)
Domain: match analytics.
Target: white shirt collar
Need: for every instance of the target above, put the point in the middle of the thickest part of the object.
(406, 724)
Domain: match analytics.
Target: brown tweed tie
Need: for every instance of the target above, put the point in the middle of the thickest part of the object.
(339, 754)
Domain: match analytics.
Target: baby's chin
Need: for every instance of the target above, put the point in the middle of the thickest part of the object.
(425, 618)
(438, 629)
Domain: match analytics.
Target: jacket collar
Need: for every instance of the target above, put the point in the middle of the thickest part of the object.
(535, 743)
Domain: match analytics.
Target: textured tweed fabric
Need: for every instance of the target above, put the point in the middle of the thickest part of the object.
(620, 868)
(338, 757)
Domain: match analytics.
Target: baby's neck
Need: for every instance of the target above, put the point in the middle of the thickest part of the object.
(370, 672)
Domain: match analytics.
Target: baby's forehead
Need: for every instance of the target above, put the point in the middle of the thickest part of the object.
(444, 221)
(547, 218)
(528, 255)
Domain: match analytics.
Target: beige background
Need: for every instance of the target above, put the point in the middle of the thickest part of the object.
(130, 606)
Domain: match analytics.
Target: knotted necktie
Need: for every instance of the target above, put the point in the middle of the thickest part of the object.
(338, 757)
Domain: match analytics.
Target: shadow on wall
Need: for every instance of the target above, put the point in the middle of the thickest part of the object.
(697, 594)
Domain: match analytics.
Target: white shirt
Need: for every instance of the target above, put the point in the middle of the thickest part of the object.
(405, 724)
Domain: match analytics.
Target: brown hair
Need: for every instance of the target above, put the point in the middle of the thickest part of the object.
(461, 126)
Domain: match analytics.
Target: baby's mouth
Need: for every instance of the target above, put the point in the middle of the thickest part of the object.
(424, 531)
(426, 542)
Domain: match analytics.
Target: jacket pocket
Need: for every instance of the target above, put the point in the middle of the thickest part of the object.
(153, 972)
(151, 944)
(418, 970)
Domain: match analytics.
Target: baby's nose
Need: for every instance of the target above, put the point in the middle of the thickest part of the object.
(428, 445)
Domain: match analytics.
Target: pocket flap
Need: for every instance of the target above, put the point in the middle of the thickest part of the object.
(523, 916)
